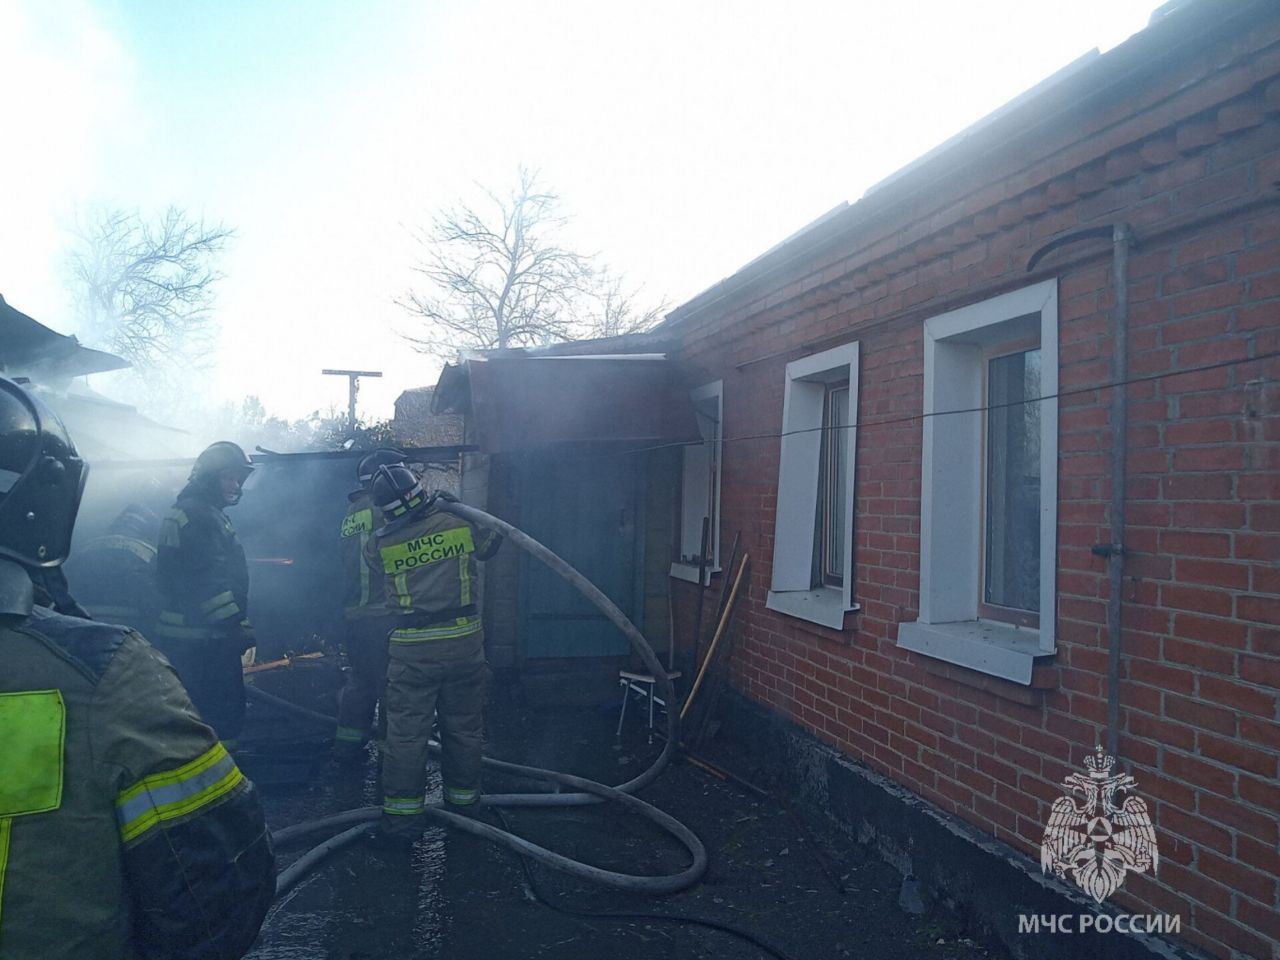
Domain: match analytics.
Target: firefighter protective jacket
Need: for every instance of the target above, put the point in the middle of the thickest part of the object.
(126, 830)
(115, 579)
(200, 569)
(428, 563)
(364, 596)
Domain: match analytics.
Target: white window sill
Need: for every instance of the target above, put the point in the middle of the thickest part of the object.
(823, 606)
(990, 647)
(689, 571)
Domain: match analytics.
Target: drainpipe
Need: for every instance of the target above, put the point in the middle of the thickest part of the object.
(1121, 240)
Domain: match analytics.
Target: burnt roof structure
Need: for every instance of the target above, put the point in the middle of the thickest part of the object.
(29, 348)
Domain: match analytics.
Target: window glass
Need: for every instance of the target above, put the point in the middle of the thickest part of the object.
(832, 509)
(1012, 535)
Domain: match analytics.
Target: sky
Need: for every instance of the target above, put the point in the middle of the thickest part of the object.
(685, 138)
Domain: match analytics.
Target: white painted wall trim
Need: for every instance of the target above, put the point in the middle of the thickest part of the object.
(996, 649)
(791, 591)
(700, 459)
(825, 606)
(951, 481)
(689, 572)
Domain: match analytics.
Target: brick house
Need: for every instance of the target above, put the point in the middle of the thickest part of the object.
(944, 622)
(924, 648)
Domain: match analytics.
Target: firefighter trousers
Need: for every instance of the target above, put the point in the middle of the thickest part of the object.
(434, 679)
(366, 681)
(212, 673)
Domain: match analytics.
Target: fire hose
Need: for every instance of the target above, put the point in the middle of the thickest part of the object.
(359, 821)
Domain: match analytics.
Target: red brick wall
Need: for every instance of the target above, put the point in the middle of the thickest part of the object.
(1172, 156)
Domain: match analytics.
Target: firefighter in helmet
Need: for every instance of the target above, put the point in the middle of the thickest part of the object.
(115, 573)
(203, 626)
(365, 612)
(125, 827)
(437, 668)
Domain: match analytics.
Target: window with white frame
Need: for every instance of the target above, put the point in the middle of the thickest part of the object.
(700, 486)
(813, 531)
(988, 511)
(828, 540)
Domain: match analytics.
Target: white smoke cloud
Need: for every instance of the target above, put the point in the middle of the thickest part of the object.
(68, 86)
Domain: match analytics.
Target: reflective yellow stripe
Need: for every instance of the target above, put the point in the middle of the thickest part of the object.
(461, 797)
(176, 794)
(464, 575)
(218, 600)
(171, 529)
(225, 613)
(400, 507)
(403, 806)
(6, 825)
(403, 596)
(169, 630)
(462, 627)
(349, 735)
(143, 551)
(364, 571)
(174, 626)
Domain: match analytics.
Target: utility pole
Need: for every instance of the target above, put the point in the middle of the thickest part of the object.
(353, 378)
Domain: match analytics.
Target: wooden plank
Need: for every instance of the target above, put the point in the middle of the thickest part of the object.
(715, 640)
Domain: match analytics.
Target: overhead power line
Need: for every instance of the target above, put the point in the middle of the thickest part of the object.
(915, 417)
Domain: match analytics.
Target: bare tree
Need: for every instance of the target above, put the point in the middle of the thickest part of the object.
(497, 277)
(144, 289)
(616, 311)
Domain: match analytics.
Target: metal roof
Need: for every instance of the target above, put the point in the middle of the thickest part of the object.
(537, 402)
(30, 348)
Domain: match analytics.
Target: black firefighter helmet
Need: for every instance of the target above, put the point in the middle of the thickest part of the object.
(398, 492)
(218, 459)
(41, 480)
(369, 464)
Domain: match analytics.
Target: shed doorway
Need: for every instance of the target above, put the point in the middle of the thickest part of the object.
(584, 506)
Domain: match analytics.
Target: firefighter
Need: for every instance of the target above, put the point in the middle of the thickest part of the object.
(115, 573)
(203, 578)
(365, 612)
(437, 668)
(125, 827)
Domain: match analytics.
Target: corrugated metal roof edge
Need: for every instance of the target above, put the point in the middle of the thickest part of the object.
(1180, 29)
(617, 344)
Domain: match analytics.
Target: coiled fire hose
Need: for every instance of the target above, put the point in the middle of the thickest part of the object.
(587, 791)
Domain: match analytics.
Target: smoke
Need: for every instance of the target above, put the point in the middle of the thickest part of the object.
(291, 510)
